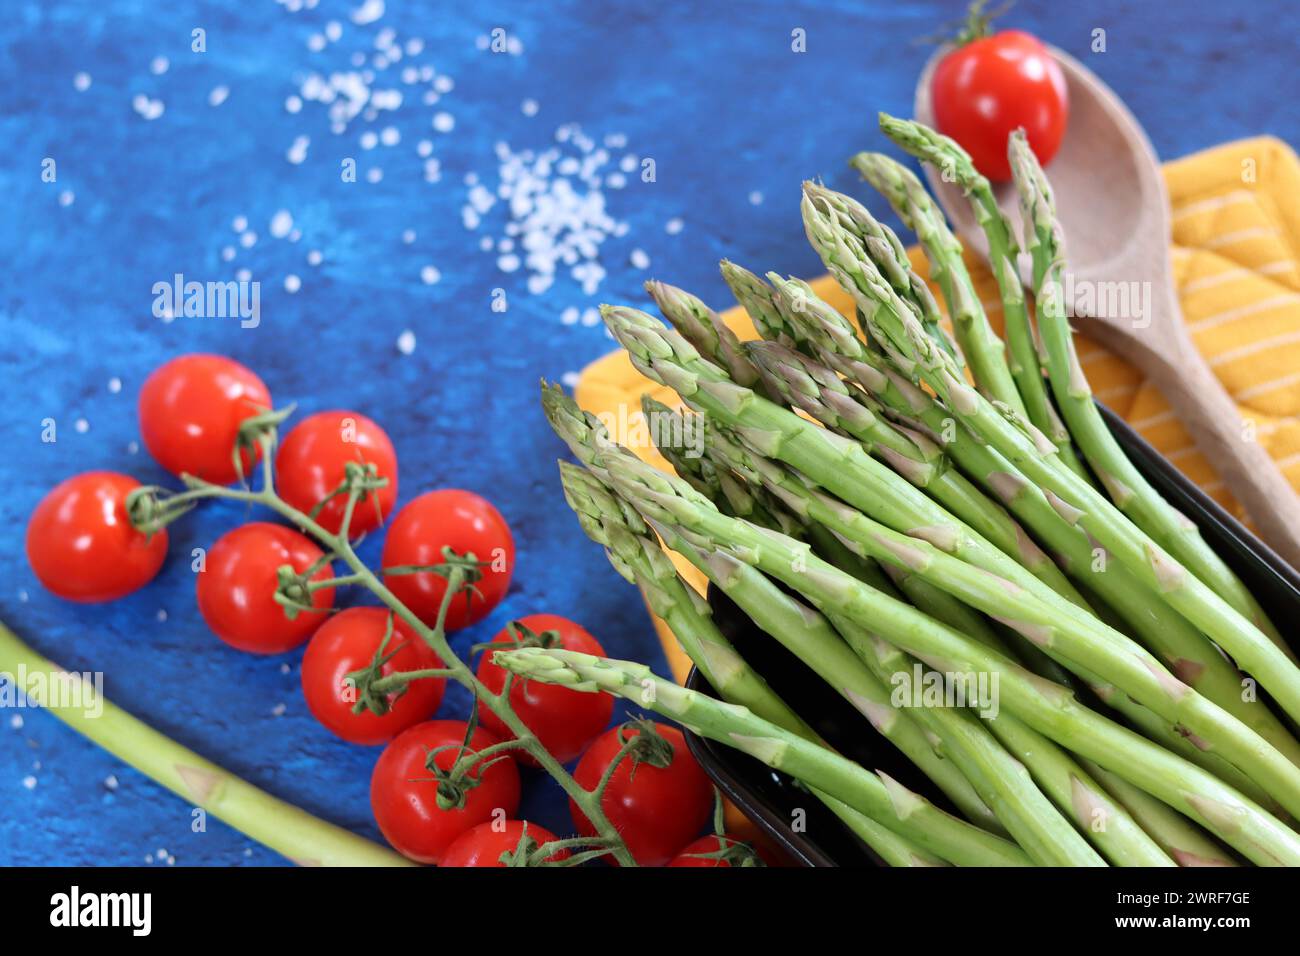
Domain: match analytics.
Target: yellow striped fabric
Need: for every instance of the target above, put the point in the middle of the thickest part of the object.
(1236, 256)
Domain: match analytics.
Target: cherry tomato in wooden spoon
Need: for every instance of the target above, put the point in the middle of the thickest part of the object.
(990, 86)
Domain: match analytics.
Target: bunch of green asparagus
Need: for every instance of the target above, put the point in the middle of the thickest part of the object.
(881, 518)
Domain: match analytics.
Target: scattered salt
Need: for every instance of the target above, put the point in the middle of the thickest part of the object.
(158, 66)
(66, 198)
(429, 275)
(639, 259)
(314, 257)
(218, 95)
(29, 782)
(529, 107)
(406, 342)
(444, 122)
(281, 223)
(292, 283)
(756, 198)
(110, 782)
(408, 236)
(81, 82)
(81, 425)
(673, 226)
(115, 385)
(239, 223)
(293, 104)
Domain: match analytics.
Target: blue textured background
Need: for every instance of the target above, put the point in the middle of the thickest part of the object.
(711, 91)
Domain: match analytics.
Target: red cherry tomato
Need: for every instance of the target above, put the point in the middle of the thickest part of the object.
(704, 852)
(484, 845)
(190, 412)
(81, 544)
(349, 641)
(564, 720)
(464, 522)
(986, 89)
(311, 461)
(236, 588)
(404, 794)
(657, 810)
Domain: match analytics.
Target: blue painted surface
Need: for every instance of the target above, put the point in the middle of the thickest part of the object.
(711, 91)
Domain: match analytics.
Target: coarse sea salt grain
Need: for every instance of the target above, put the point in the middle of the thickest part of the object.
(408, 236)
(81, 82)
(429, 275)
(158, 66)
(66, 198)
(81, 425)
(227, 253)
(281, 223)
(292, 283)
(529, 107)
(293, 104)
(406, 342)
(756, 198)
(444, 122)
(29, 782)
(673, 226)
(639, 259)
(115, 385)
(314, 257)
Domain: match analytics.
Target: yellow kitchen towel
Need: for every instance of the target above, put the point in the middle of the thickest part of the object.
(1236, 257)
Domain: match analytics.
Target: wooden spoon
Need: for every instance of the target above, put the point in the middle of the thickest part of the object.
(1112, 204)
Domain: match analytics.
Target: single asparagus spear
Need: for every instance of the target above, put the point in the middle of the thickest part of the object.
(640, 560)
(955, 163)
(1189, 655)
(911, 351)
(1130, 492)
(1046, 707)
(878, 795)
(985, 353)
(288, 830)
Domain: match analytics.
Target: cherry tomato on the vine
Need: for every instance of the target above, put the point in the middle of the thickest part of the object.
(311, 463)
(350, 641)
(190, 412)
(236, 588)
(564, 720)
(657, 809)
(404, 791)
(484, 845)
(81, 544)
(989, 87)
(709, 851)
(465, 522)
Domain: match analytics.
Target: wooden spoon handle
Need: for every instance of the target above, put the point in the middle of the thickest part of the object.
(1204, 406)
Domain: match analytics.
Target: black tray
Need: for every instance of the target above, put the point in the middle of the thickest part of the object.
(772, 800)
